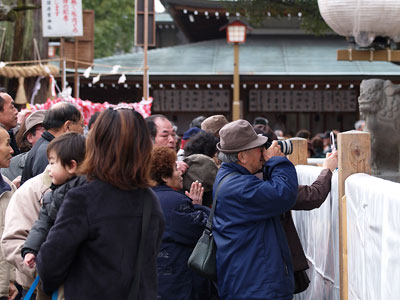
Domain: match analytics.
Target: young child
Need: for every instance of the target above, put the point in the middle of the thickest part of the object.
(65, 153)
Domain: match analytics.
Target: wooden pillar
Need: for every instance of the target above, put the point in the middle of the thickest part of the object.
(354, 157)
(76, 75)
(300, 151)
(62, 64)
(236, 84)
(145, 48)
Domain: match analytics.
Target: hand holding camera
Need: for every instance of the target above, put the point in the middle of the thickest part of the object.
(273, 150)
(286, 146)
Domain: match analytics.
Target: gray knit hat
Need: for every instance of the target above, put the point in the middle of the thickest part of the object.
(201, 168)
(214, 123)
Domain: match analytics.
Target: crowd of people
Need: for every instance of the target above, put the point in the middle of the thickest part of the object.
(115, 213)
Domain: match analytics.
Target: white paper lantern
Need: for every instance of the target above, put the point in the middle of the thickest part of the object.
(363, 19)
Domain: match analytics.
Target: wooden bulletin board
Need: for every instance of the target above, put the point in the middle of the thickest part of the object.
(85, 50)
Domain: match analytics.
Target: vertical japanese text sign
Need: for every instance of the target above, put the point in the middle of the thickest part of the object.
(139, 23)
(62, 18)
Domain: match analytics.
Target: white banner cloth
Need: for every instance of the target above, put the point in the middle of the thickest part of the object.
(373, 226)
(318, 230)
(62, 18)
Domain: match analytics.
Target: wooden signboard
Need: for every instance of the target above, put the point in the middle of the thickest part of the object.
(82, 48)
(139, 23)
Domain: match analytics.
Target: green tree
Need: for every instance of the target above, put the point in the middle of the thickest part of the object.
(114, 25)
(257, 10)
(19, 22)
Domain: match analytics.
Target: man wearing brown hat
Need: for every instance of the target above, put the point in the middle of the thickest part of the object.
(253, 258)
(33, 132)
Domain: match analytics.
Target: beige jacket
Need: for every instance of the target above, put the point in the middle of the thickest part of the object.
(7, 272)
(22, 212)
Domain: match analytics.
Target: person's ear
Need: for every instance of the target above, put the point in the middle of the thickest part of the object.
(72, 168)
(242, 157)
(66, 126)
(29, 138)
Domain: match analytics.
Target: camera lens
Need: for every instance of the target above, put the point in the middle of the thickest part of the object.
(285, 145)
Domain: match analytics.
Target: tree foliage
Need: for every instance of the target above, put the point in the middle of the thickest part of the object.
(257, 10)
(114, 25)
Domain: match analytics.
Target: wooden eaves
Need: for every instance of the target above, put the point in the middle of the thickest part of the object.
(369, 55)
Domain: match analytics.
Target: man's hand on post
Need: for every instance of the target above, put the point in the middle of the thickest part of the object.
(331, 161)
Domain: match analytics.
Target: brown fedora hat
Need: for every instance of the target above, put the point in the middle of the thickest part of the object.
(239, 136)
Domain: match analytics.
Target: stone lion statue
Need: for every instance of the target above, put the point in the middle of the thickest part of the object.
(380, 106)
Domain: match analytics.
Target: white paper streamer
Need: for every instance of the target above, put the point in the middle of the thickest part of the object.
(86, 74)
(96, 79)
(115, 69)
(122, 79)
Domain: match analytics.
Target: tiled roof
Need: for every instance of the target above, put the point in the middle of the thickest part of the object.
(164, 17)
(258, 56)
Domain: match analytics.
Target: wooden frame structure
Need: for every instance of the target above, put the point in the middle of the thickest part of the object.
(353, 157)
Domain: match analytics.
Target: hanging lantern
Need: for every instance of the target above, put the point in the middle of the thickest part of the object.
(236, 31)
(362, 19)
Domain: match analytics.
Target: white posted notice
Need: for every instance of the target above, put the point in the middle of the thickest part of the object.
(62, 18)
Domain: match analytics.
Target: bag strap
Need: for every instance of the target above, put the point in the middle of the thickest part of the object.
(54, 296)
(210, 217)
(134, 291)
(32, 289)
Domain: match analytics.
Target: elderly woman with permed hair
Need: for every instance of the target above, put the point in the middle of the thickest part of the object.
(185, 220)
(93, 246)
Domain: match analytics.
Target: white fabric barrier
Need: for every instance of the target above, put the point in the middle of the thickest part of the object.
(373, 240)
(318, 230)
(315, 161)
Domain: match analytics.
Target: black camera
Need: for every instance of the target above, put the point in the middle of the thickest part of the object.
(286, 146)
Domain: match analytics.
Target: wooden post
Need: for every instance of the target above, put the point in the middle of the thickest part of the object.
(76, 75)
(300, 151)
(145, 47)
(236, 84)
(62, 64)
(354, 157)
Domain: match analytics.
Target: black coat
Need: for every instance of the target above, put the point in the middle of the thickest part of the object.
(37, 161)
(13, 143)
(93, 245)
(184, 224)
(47, 215)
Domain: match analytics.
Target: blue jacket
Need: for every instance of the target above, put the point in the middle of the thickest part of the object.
(184, 224)
(253, 258)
